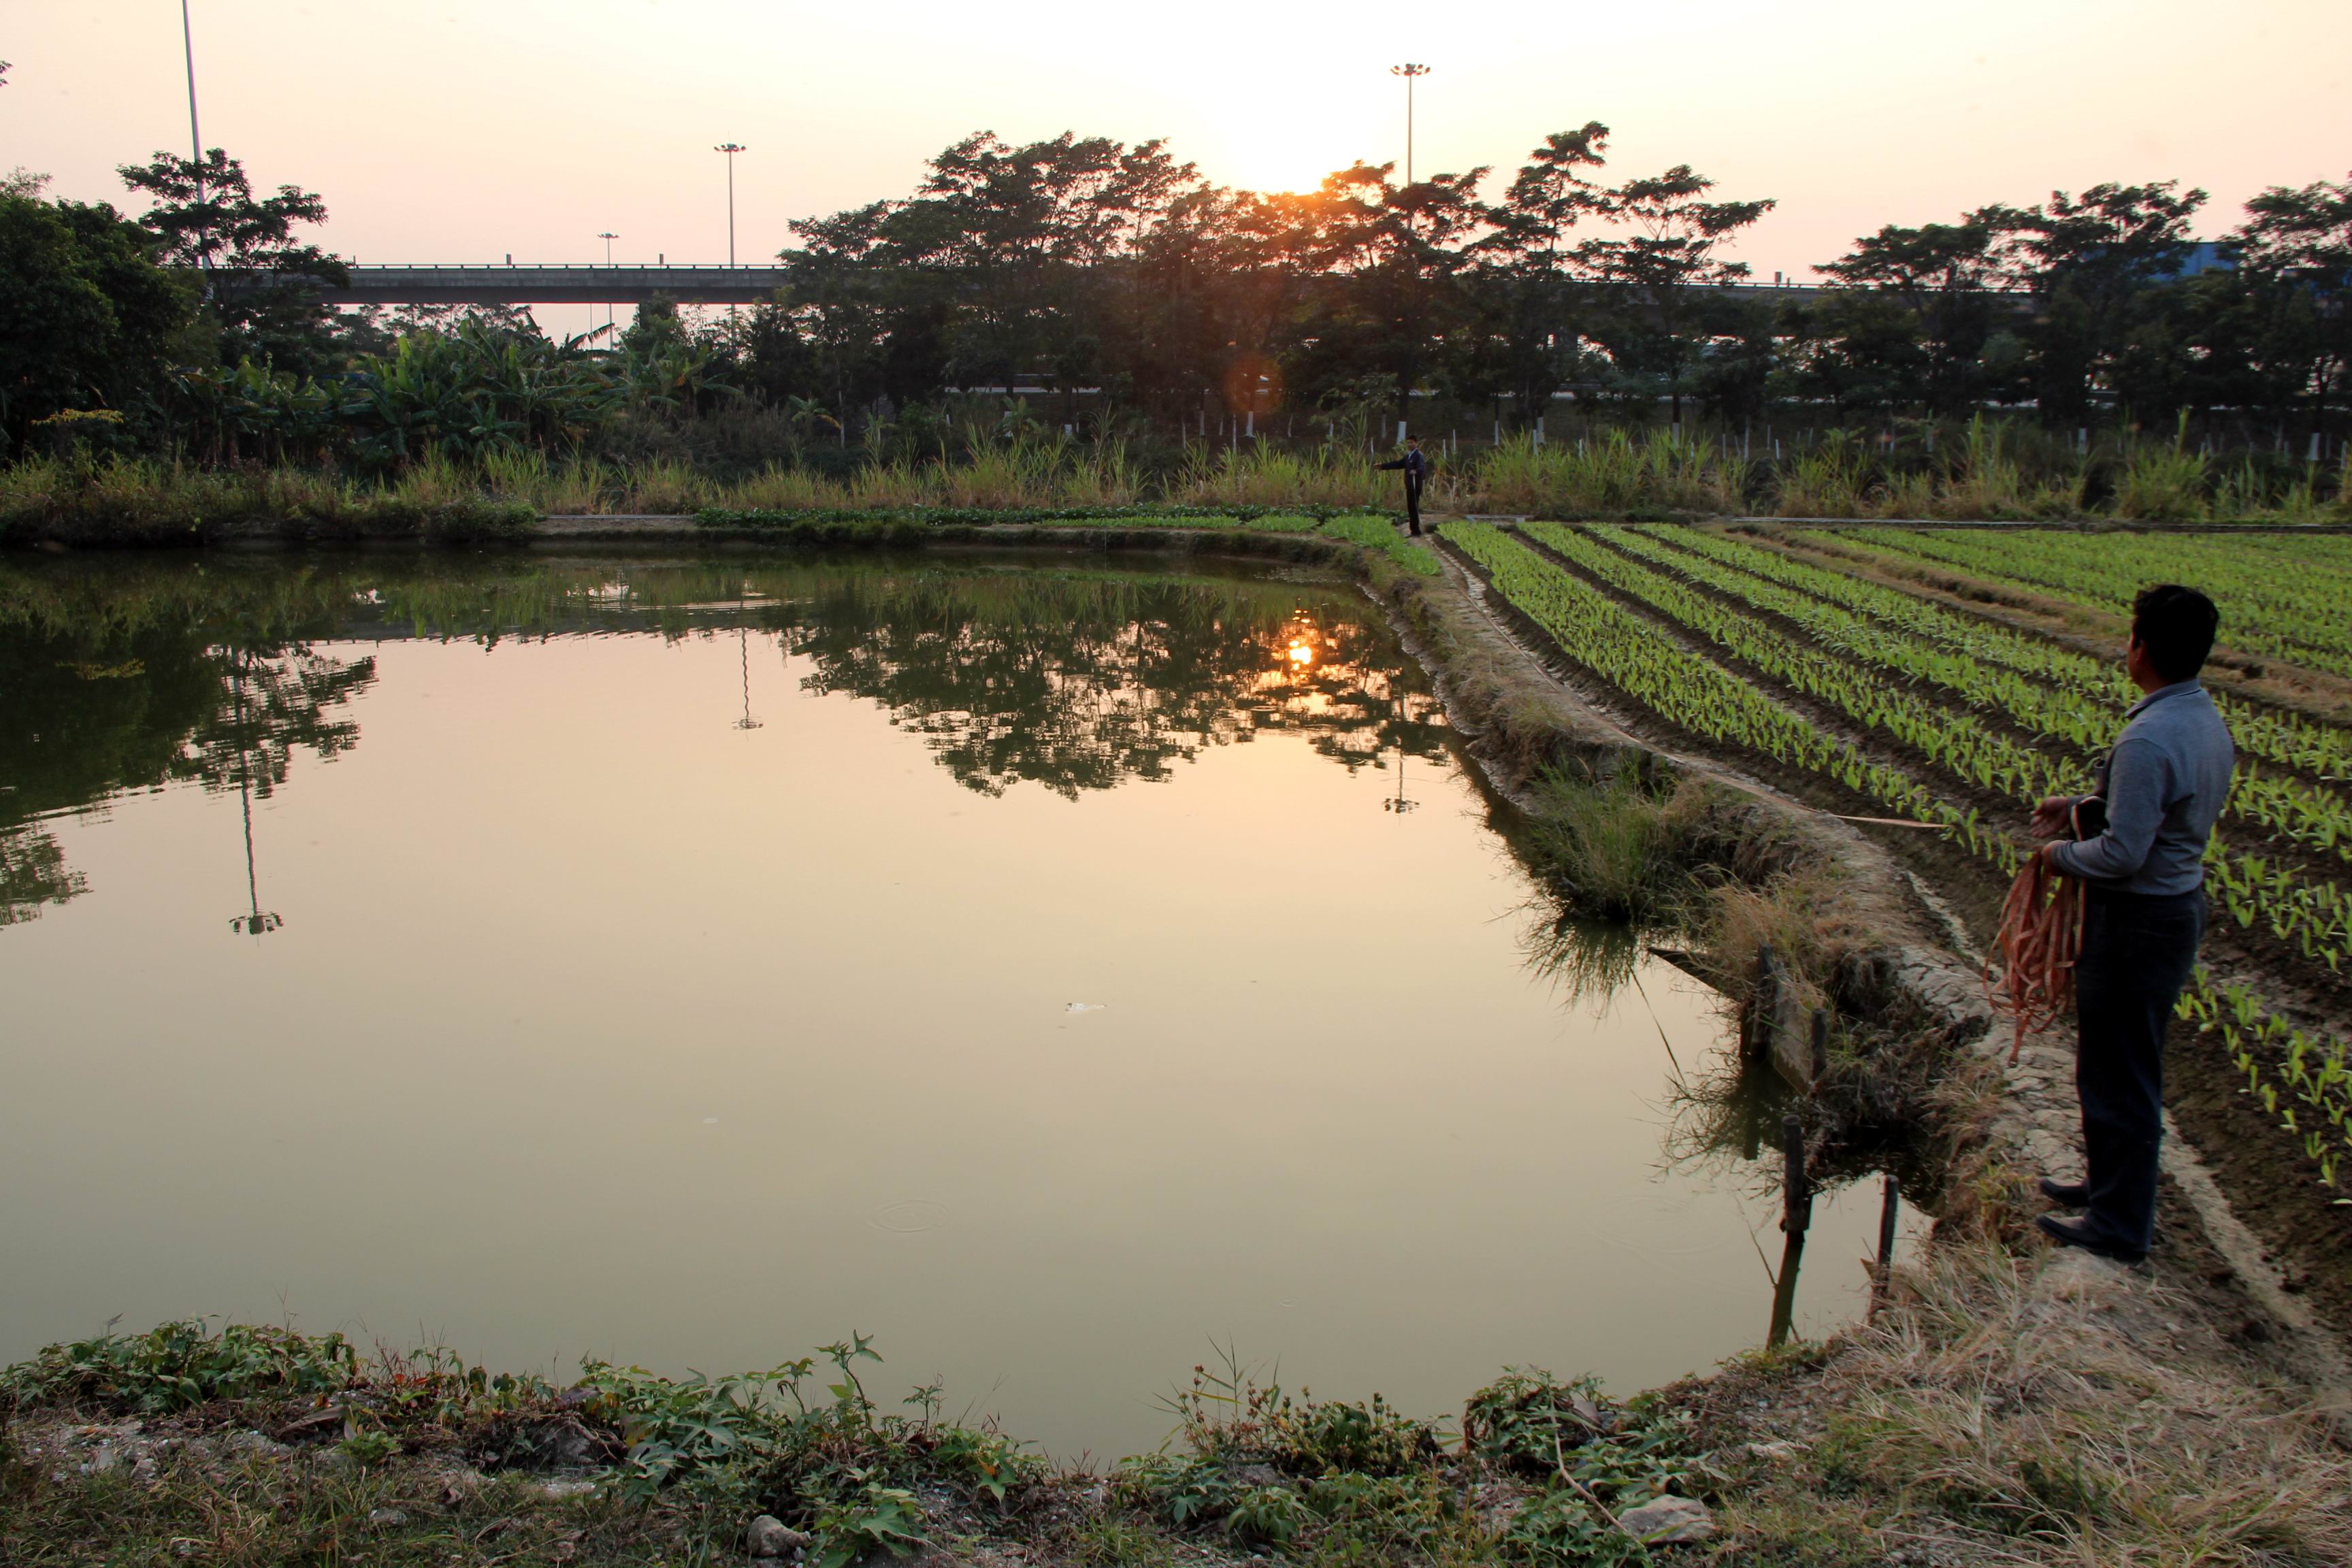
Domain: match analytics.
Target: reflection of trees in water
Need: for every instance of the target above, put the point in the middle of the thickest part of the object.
(134, 692)
(1082, 684)
(33, 872)
(120, 671)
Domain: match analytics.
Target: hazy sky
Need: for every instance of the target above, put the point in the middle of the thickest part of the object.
(443, 131)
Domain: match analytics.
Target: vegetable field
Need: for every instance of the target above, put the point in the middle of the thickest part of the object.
(1820, 659)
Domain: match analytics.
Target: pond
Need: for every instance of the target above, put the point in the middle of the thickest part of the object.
(1051, 965)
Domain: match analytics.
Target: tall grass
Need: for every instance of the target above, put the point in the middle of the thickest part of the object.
(2167, 483)
(1614, 845)
(150, 501)
(1832, 479)
(1983, 482)
(1607, 474)
(1611, 474)
(1254, 477)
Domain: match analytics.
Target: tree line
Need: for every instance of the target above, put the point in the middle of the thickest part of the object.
(1140, 296)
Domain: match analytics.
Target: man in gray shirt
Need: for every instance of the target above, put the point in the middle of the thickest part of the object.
(2143, 912)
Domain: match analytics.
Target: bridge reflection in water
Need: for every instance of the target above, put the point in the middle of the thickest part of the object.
(492, 283)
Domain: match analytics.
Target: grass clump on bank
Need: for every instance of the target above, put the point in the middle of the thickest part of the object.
(259, 1446)
(2001, 1412)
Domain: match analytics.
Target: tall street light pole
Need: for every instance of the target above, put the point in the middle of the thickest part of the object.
(196, 136)
(731, 149)
(1409, 72)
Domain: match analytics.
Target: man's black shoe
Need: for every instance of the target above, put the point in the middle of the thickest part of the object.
(2070, 1233)
(2068, 1194)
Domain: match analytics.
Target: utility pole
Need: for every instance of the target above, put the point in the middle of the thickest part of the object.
(196, 136)
(1409, 72)
(731, 149)
(608, 237)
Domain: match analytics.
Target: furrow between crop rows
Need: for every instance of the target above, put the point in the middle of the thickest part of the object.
(2311, 816)
(1694, 693)
(2291, 741)
(2290, 608)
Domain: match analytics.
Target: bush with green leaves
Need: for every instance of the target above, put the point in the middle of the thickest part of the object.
(1227, 1415)
(178, 1365)
(1595, 1459)
(1265, 1467)
(835, 1465)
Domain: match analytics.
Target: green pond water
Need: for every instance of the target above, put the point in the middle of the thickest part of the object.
(1049, 965)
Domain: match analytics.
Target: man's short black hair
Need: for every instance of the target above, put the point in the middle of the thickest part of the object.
(2176, 625)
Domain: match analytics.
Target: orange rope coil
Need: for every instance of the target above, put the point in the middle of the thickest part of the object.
(2031, 976)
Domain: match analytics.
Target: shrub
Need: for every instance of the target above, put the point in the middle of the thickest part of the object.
(174, 1366)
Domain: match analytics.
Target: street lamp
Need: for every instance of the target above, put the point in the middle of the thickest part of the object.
(608, 237)
(743, 644)
(258, 920)
(743, 647)
(195, 137)
(1409, 72)
(731, 149)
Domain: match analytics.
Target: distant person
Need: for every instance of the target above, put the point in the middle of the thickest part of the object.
(2143, 871)
(1415, 464)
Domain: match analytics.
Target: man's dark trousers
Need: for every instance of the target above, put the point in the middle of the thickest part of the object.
(2137, 951)
(1412, 502)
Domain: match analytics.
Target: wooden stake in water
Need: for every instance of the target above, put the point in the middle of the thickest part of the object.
(1764, 1005)
(1796, 1218)
(1796, 1189)
(1890, 1203)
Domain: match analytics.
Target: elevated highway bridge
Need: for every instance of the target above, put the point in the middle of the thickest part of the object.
(494, 284)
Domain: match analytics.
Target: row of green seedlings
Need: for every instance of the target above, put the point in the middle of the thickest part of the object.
(1781, 657)
(2238, 880)
(2311, 814)
(2286, 739)
(2288, 593)
(1956, 742)
(2301, 1077)
(1377, 534)
(2307, 914)
(1695, 694)
(2312, 1068)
